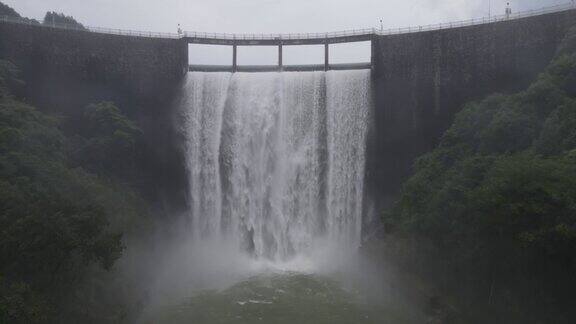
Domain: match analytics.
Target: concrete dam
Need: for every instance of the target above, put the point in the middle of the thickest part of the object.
(366, 127)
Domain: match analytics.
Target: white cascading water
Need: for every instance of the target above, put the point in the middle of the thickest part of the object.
(276, 160)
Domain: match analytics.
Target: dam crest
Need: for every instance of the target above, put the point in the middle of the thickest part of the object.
(291, 39)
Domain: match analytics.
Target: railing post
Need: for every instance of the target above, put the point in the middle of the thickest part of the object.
(234, 58)
(326, 56)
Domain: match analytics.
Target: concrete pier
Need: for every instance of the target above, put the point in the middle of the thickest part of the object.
(280, 67)
(280, 57)
(234, 58)
(326, 57)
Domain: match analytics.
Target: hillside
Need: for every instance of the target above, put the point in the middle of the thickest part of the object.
(497, 201)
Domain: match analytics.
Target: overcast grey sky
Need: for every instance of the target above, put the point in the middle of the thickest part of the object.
(269, 16)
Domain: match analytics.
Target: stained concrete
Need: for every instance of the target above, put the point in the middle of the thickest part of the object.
(421, 80)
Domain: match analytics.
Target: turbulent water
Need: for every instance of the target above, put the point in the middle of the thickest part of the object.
(280, 299)
(276, 160)
(276, 174)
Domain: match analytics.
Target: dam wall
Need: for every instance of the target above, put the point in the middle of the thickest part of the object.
(66, 69)
(421, 80)
(137, 64)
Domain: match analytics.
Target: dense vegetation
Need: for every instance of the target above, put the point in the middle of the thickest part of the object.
(497, 198)
(63, 209)
(72, 203)
(51, 18)
(7, 11)
(60, 19)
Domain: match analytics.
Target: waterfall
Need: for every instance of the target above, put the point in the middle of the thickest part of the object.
(276, 160)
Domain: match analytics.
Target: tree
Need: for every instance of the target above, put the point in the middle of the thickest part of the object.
(108, 141)
(498, 198)
(57, 218)
(53, 18)
(7, 11)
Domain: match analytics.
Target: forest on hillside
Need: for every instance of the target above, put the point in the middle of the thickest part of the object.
(52, 18)
(490, 214)
(68, 206)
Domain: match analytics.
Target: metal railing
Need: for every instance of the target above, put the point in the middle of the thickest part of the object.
(479, 21)
(293, 36)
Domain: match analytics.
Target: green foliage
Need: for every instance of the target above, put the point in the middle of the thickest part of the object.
(6, 10)
(51, 218)
(53, 18)
(498, 196)
(559, 131)
(20, 304)
(9, 80)
(59, 218)
(107, 142)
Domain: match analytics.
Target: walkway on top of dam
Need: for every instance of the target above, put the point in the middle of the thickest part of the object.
(349, 36)
(355, 35)
(291, 39)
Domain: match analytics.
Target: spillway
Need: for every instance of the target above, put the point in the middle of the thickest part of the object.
(276, 160)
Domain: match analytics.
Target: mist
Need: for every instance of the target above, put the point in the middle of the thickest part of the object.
(432, 183)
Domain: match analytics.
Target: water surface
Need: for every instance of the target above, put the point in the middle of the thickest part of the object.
(280, 298)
